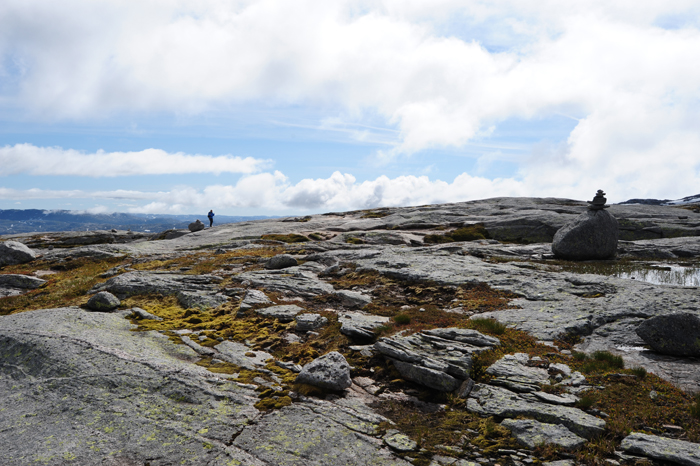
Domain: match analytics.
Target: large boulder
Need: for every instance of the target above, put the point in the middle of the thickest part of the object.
(104, 301)
(592, 235)
(21, 281)
(662, 448)
(281, 261)
(196, 226)
(14, 252)
(674, 334)
(330, 372)
(531, 434)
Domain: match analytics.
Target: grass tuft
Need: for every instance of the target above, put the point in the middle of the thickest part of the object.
(491, 326)
(468, 233)
(402, 319)
(639, 372)
(290, 238)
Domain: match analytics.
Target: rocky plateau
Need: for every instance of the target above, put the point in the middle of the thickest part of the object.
(433, 335)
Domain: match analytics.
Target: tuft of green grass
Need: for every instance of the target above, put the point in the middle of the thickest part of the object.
(586, 401)
(489, 325)
(639, 372)
(353, 240)
(402, 319)
(602, 361)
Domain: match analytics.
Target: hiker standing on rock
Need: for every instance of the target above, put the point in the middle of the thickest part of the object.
(211, 218)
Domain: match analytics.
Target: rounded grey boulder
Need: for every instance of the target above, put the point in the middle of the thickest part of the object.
(196, 226)
(331, 372)
(14, 252)
(591, 235)
(104, 301)
(673, 334)
(281, 261)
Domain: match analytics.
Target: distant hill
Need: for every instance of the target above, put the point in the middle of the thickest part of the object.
(30, 220)
(686, 200)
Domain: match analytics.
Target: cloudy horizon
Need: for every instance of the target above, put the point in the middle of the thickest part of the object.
(266, 107)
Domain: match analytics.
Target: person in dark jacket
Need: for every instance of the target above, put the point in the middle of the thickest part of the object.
(211, 218)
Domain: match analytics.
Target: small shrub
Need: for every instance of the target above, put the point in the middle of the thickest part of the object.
(695, 407)
(470, 233)
(639, 372)
(489, 325)
(585, 402)
(578, 356)
(610, 359)
(402, 319)
(316, 237)
(353, 240)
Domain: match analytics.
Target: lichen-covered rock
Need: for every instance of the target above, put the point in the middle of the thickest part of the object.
(103, 301)
(662, 448)
(143, 314)
(591, 235)
(675, 334)
(353, 299)
(429, 359)
(330, 372)
(241, 355)
(254, 298)
(281, 261)
(510, 372)
(298, 283)
(399, 442)
(283, 313)
(360, 326)
(306, 322)
(532, 433)
(14, 252)
(497, 401)
(134, 283)
(200, 299)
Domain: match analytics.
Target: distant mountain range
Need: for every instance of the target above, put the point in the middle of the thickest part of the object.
(34, 220)
(686, 200)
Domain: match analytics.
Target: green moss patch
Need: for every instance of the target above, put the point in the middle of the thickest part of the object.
(468, 233)
(290, 238)
(67, 287)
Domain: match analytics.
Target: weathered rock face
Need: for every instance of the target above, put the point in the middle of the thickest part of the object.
(283, 312)
(435, 359)
(359, 326)
(103, 301)
(662, 448)
(133, 283)
(254, 298)
(21, 281)
(353, 299)
(674, 334)
(200, 300)
(13, 252)
(197, 225)
(331, 372)
(281, 261)
(497, 401)
(591, 235)
(533, 433)
(306, 322)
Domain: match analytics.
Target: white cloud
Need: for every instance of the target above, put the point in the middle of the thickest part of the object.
(441, 71)
(32, 160)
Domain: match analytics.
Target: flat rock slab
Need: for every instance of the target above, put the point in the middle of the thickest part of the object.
(497, 401)
(283, 313)
(510, 371)
(399, 442)
(360, 326)
(298, 435)
(68, 375)
(532, 433)
(135, 283)
(200, 299)
(298, 283)
(240, 355)
(662, 448)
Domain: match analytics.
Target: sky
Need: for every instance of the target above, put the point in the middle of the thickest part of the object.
(272, 107)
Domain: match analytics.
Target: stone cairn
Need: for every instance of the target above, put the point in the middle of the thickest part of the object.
(590, 236)
(598, 202)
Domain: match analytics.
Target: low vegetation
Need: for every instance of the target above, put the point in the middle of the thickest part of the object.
(468, 233)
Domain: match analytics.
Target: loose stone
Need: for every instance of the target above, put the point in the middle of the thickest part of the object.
(103, 301)
(331, 372)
